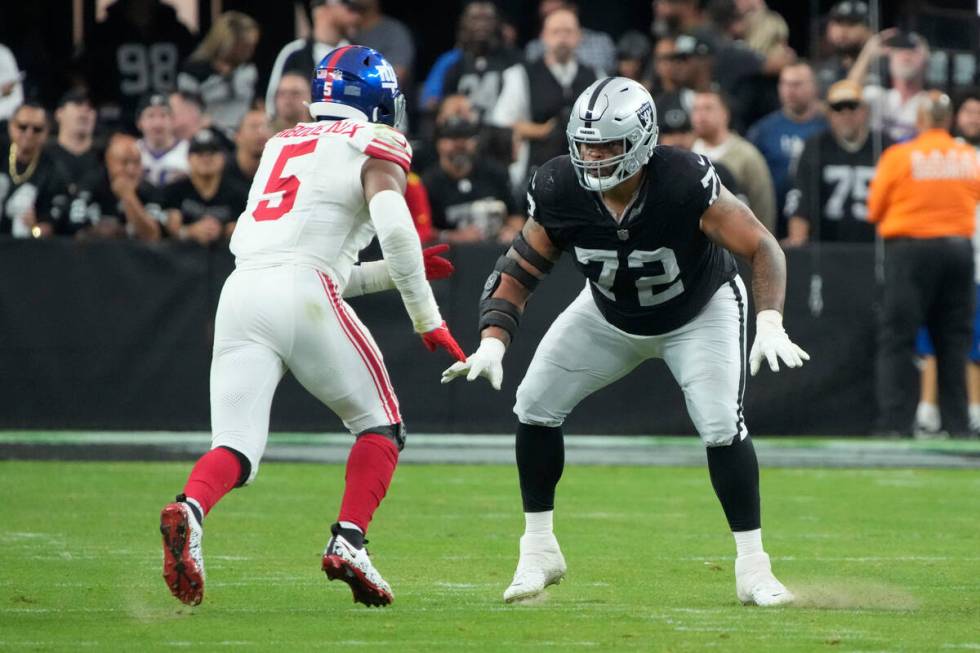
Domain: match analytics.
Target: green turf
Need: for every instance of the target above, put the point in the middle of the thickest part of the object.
(882, 560)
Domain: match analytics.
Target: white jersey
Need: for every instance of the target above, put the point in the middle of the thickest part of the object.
(306, 205)
(162, 168)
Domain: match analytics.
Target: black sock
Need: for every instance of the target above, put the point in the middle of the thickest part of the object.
(540, 461)
(182, 498)
(734, 474)
(352, 535)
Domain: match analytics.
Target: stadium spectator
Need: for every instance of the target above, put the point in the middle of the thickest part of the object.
(828, 200)
(968, 117)
(164, 157)
(968, 131)
(847, 32)
(632, 55)
(710, 116)
(595, 49)
(188, 113)
(894, 109)
(221, 72)
(250, 140)
(73, 151)
(924, 199)
(780, 135)
(674, 123)
(33, 193)
(388, 36)
(765, 31)
(11, 88)
(204, 206)
(681, 63)
(478, 73)
(116, 200)
(290, 103)
(537, 97)
(471, 197)
(674, 17)
(433, 88)
(744, 75)
(334, 23)
(135, 51)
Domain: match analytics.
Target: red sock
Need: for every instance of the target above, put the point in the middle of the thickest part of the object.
(214, 475)
(370, 466)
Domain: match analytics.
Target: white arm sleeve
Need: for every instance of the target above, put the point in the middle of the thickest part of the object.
(367, 279)
(403, 253)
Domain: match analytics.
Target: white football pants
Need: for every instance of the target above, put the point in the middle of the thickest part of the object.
(582, 353)
(291, 317)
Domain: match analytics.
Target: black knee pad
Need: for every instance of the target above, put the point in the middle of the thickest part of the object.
(245, 464)
(394, 432)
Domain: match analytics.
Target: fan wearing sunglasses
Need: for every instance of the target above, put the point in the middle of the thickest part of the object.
(33, 193)
(828, 200)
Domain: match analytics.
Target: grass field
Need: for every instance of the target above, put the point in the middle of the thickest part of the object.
(881, 560)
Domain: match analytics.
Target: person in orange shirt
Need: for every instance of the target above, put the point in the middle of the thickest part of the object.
(923, 198)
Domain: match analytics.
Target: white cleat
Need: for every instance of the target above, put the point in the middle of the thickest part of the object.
(755, 584)
(342, 561)
(183, 562)
(541, 564)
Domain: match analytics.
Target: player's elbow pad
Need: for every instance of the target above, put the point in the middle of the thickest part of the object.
(403, 252)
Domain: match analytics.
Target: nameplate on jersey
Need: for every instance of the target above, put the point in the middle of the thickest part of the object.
(343, 127)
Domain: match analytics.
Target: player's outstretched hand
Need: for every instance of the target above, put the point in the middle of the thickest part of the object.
(772, 343)
(437, 267)
(487, 361)
(440, 337)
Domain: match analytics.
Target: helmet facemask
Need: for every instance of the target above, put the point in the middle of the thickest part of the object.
(603, 174)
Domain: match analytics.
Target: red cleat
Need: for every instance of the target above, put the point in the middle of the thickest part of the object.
(183, 563)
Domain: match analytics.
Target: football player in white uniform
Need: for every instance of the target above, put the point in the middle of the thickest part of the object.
(653, 231)
(323, 189)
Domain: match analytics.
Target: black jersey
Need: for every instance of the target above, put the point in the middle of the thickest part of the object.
(44, 191)
(654, 271)
(226, 205)
(830, 189)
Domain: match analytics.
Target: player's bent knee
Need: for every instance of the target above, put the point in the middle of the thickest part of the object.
(246, 475)
(718, 439)
(394, 432)
(247, 453)
(531, 410)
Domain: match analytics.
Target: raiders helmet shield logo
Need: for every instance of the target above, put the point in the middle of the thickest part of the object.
(645, 114)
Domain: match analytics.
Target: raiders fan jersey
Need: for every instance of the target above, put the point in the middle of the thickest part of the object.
(831, 189)
(654, 271)
(45, 191)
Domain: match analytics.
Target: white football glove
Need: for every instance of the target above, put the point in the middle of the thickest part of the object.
(772, 343)
(487, 361)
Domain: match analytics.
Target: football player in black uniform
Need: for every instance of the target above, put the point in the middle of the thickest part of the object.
(654, 231)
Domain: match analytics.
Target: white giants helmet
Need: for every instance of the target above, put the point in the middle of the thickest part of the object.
(612, 109)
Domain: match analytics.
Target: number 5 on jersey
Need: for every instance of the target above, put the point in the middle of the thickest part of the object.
(287, 186)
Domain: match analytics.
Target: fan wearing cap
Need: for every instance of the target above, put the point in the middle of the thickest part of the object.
(73, 149)
(470, 196)
(828, 198)
(846, 33)
(204, 206)
(164, 157)
(894, 109)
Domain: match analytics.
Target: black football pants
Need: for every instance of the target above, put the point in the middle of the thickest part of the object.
(928, 282)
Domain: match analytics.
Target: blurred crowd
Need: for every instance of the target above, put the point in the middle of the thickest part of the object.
(160, 134)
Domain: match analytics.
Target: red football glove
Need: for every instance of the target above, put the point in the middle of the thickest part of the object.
(440, 337)
(437, 267)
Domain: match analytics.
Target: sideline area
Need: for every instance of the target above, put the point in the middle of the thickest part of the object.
(426, 448)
